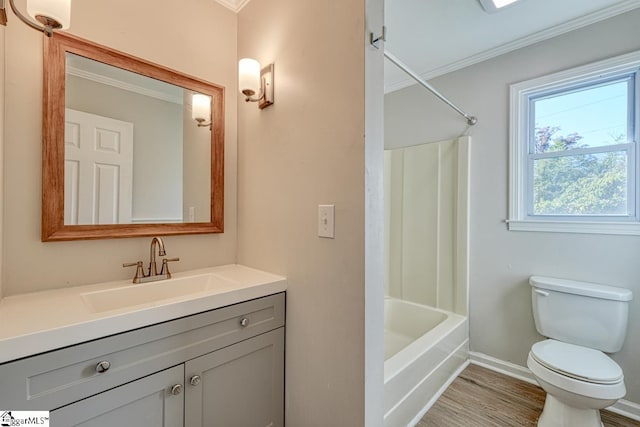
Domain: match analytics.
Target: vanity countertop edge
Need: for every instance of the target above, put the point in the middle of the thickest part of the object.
(42, 321)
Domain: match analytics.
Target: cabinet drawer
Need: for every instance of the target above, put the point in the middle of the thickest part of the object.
(57, 378)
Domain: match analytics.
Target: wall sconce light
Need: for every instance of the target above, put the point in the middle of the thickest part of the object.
(51, 14)
(201, 109)
(252, 80)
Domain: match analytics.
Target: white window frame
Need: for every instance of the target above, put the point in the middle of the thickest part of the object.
(520, 179)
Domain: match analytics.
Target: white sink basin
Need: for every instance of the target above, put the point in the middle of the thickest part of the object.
(145, 293)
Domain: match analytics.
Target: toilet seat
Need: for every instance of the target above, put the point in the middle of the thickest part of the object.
(577, 362)
(569, 381)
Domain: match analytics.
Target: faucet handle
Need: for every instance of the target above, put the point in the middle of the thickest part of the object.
(165, 266)
(139, 271)
(131, 264)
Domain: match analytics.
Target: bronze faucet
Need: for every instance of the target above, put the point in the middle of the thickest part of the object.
(156, 241)
(153, 274)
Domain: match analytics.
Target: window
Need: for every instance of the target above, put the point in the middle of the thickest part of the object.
(574, 155)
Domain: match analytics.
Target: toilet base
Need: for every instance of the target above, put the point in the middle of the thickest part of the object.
(558, 414)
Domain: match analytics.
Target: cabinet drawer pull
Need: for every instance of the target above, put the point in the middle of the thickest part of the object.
(244, 322)
(195, 380)
(176, 389)
(102, 367)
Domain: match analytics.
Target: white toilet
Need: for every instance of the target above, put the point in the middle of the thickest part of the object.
(582, 320)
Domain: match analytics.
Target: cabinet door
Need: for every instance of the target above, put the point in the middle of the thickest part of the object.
(147, 402)
(238, 386)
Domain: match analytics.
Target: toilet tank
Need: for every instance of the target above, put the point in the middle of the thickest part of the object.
(581, 313)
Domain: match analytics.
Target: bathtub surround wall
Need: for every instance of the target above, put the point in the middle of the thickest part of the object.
(31, 265)
(309, 149)
(424, 238)
(501, 320)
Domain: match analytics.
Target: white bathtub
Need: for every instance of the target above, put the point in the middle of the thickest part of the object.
(424, 348)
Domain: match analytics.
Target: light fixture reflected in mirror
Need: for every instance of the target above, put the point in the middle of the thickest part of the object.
(252, 80)
(201, 110)
(51, 14)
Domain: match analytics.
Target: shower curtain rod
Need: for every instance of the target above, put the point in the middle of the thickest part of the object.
(471, 120)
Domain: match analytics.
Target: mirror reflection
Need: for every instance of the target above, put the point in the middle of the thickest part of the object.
(136, 149)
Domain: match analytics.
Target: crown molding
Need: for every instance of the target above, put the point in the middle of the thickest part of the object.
(574, 24)
(234, 5)
(77, 72)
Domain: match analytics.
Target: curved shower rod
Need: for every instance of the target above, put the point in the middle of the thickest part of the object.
(471, 120)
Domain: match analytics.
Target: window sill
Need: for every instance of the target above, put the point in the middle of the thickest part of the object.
(584, 227)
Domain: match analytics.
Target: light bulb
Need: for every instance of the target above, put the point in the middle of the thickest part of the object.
(249, 76)
(201, 107)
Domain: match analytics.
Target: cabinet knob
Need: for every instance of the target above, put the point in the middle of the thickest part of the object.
(244, 322)
(195, 380)
(176, 389)
(102, 367)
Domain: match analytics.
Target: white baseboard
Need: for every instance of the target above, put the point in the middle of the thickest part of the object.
(503, 367)
(626, 409)
(622, 407)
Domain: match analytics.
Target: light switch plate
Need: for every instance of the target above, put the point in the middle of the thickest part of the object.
(326, 221)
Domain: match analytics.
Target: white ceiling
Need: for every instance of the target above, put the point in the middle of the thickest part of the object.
(434, 37)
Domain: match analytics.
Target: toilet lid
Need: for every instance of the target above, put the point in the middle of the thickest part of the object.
(585, 364)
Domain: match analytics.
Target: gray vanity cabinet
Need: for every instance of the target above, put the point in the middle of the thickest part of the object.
(147, 402)
(238, 386)
(223, 367)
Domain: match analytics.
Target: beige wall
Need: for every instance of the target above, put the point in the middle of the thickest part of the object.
(199, 38)
(501, 261)
(305, 150)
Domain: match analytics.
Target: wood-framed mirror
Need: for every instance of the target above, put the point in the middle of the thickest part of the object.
(127, 149)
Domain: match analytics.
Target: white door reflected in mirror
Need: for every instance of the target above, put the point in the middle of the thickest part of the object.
(98, 169)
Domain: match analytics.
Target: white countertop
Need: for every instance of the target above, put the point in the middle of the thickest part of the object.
(42, 321)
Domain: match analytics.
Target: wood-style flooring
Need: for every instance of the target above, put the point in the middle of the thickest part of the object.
(480, 397)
